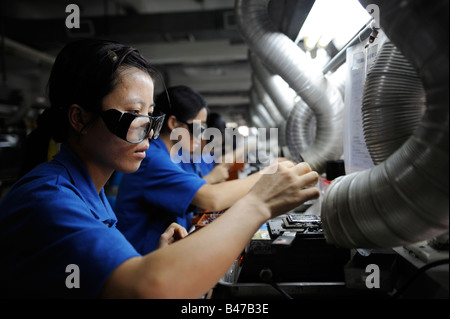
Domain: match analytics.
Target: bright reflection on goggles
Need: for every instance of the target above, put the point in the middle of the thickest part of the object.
(131, 127)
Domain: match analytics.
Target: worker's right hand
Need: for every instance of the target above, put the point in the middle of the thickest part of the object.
(286, 187)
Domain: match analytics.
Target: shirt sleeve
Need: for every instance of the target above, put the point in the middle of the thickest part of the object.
(63, 251)
(168, 186)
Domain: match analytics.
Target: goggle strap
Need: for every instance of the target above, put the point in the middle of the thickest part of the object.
(112, 119)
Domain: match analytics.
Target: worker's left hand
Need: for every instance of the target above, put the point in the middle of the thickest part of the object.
(218, 174)
(173, 233)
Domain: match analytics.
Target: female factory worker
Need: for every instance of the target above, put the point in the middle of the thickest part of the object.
(57, 230)
(160, 191)
(204, 164)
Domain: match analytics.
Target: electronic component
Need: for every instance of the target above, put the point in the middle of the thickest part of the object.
(306, 258)
(305, 226)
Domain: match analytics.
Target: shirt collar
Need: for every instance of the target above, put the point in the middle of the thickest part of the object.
(97, 202)
(159, 143)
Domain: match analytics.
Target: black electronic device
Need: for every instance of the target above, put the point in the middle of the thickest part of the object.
(308, 258)
(305, 226)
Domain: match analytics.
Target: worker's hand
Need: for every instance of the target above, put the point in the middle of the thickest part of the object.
(173, 233)
(285, 187)
(218, 174)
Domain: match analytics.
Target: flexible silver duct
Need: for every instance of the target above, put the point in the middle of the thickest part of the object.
(266, 101)
(404, 199)
(393, 103)
(300, 130)
(258, 119)
(282, 135)
(279, 91)
(255, 119)
(282, 56)
(260, 110)
(281, 95)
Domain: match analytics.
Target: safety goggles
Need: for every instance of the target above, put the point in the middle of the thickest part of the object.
(131, 127)
(199, 131)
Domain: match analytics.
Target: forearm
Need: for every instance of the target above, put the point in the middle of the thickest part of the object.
(211, 178)
(221, 196)
(190, 267)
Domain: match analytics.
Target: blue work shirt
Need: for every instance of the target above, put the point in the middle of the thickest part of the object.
(158, 193)
(198, 166)
(54, 217)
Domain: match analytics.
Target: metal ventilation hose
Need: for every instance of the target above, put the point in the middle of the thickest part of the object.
(297, 137)
(403, 200)
(266, 101)
(282, 56)
(255, 119)
(282, 137)
(282, 95)
(393, 103)
(301, 131)
(260, 110)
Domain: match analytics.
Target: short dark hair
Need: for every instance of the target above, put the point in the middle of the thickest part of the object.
(218, 121)
(84, 72)
(181, 101)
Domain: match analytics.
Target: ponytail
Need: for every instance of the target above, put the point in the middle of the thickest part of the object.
(36, 143)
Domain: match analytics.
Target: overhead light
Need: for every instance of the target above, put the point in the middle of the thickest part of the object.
(331, 20)
(243, 130)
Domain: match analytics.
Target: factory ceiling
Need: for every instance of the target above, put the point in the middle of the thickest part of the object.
(193, 42)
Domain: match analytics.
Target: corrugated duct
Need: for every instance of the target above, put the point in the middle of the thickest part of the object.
(300, 130)
(282, 56)
(393, 103)
(297, 137)
(404, 199)
(260, 110)
(255, 119)
(267, 101)
(280, 92)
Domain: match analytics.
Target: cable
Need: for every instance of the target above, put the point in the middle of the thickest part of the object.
(417, 274)
(266, 275)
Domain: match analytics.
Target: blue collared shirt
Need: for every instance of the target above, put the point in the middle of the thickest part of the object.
(54, 217)
(158, 193)
(201, 165)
